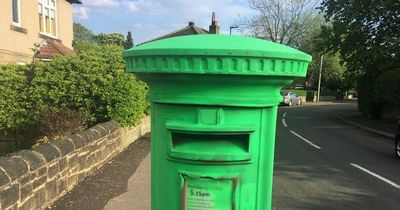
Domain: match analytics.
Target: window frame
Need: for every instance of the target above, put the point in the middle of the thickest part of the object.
(43, 20)
(18, 24)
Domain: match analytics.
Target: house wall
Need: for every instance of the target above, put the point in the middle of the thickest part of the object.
(65, 26)
(16, 43)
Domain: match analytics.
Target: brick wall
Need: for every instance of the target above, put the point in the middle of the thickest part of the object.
(33, 179)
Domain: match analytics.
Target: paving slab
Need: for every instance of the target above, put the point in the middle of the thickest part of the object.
(138, 194)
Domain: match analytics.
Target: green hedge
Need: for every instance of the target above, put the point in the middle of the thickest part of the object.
(92, 81)
(307, 92)
(378, 88)
(387, 87)
(298, 92)
(16, 107)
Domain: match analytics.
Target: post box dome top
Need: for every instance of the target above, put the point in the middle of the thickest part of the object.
(216, 54)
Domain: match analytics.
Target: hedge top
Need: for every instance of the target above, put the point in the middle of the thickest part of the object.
(216, 54)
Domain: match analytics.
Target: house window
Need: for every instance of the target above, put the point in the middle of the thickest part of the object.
(16, 17)
(47, 17)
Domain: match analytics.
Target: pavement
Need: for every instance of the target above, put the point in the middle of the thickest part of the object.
(124, 182)
(138, 194)
(381, 127)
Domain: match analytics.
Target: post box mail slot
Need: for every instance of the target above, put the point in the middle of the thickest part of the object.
(210, 142)
(210, 146)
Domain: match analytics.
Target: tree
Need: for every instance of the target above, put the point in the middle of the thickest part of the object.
(81, 33)
(366, 33)
(334, 76)
(282, 21)
(129, 41)
(110, 39)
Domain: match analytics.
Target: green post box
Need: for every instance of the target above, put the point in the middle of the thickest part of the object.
(214, 104)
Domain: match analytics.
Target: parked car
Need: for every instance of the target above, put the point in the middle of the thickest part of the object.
(397, 140)
(290, 98)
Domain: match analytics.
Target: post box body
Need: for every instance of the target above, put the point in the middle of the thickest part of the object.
(214, 157)
(213, 117)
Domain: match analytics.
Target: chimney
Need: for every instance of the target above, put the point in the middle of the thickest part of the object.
(214, 27)
(191, 23)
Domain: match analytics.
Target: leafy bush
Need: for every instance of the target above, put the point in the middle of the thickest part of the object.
(367, 103)
(54, 122)
(110, 39)
(16, 107)
(387, 87)
(298, 92)
(93, 80)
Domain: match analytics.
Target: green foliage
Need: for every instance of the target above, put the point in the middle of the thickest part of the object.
(387, 87)
(56, 122)
(82, 46)
(129, 41)
(16, 107)
(364, 32)
(92, 81)
(367, 102)
(298, 92)
(81, 33)
(110, 39)
(334, 75)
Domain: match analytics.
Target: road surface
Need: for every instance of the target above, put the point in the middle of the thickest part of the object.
(323, 163)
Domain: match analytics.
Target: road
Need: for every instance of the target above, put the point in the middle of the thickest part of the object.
(323, 163)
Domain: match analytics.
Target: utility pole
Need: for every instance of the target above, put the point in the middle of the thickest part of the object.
(319, 78)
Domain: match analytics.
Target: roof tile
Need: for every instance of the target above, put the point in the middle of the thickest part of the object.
(53, 47)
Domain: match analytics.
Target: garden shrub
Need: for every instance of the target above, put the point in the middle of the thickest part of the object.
(368, 105)
(387, 87)
(54, 122)
(16, 107)
(94, 81)
(298, 92)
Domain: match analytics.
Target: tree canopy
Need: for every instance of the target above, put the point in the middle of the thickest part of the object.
(366, 33)
(129, 41)
(81, 33)
(282, 21)
(297, 24)
(334, 72)
(110, 39)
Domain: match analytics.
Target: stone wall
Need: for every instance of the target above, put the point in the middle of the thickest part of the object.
(33, 179)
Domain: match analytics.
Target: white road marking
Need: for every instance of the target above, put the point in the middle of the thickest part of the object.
(284, 114)
(376, 175)
(304, 139)
(284, 122)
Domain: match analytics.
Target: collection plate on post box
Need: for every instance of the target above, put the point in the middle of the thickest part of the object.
(208, 194)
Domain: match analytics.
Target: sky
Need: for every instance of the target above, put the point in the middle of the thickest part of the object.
(147, 19)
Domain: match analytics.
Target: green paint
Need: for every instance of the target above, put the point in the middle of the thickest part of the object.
(214, 104)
